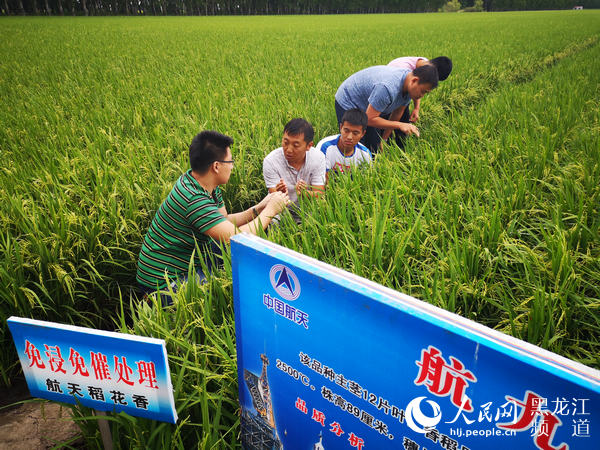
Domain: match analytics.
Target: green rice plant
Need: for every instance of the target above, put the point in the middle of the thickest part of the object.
(199, 334)
(493, 213)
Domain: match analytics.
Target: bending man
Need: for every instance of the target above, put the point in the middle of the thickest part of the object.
(384, 92)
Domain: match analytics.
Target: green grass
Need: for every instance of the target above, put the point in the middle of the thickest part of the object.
(494, 213)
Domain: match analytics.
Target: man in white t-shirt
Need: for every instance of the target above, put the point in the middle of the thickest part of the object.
(410, 63)
(344, 151)
(296, 168)
(443, 64)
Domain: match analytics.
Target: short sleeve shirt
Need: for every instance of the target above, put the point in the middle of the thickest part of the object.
(335, 158)
(379, 86)
(406, 62)
(180, 222)
(276, 167)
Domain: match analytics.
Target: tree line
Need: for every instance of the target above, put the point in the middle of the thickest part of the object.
(250, 7)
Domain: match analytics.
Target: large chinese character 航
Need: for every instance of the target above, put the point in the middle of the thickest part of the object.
(444, 379)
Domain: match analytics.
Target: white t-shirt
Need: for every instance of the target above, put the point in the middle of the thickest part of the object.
(336, 159)
(276, 167)
(406, 62)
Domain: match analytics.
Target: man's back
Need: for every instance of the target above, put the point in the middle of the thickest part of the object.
(380, 86)
(178, 225)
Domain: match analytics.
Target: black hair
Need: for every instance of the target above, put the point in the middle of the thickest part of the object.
(299, 126)
(206, 148)
(427, 74)
(444, 66)
(356, 117)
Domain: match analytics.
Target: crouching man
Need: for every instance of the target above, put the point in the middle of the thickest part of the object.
(194, 216)
(344, 151)
(296, 168)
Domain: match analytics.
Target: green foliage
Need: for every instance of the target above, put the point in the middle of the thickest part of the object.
(477, 7)
(492, 213)
(200, 338)
(451, 6)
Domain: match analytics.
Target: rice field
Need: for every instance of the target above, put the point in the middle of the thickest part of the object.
(494, 213)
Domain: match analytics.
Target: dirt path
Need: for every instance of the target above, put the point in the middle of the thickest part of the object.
(36, 425)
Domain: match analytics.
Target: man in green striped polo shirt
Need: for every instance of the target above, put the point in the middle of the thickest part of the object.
(194, 215)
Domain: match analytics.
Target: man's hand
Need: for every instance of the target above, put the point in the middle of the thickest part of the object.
(408, 129)
(301, 187)
(414, 115)
(281, 186)
(277, 203)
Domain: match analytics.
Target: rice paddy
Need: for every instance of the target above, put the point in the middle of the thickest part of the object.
(494, 213)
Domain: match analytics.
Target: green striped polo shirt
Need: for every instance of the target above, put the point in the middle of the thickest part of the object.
(188, 211)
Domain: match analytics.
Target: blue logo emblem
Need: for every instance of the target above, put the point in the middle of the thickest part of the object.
(285, 282)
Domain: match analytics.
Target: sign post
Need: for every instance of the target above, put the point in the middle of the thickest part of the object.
(329, 360)
(103, 370)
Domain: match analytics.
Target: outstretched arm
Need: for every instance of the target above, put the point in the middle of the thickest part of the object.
(274, 204)
(395, 116)
(246, 216)
(376, 121)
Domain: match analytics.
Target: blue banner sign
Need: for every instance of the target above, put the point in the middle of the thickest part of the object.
(328, 360)
(104, 370)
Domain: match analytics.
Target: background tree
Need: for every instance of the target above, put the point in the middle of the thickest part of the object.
(244, 7)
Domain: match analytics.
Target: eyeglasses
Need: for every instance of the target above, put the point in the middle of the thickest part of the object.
(223, 161)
